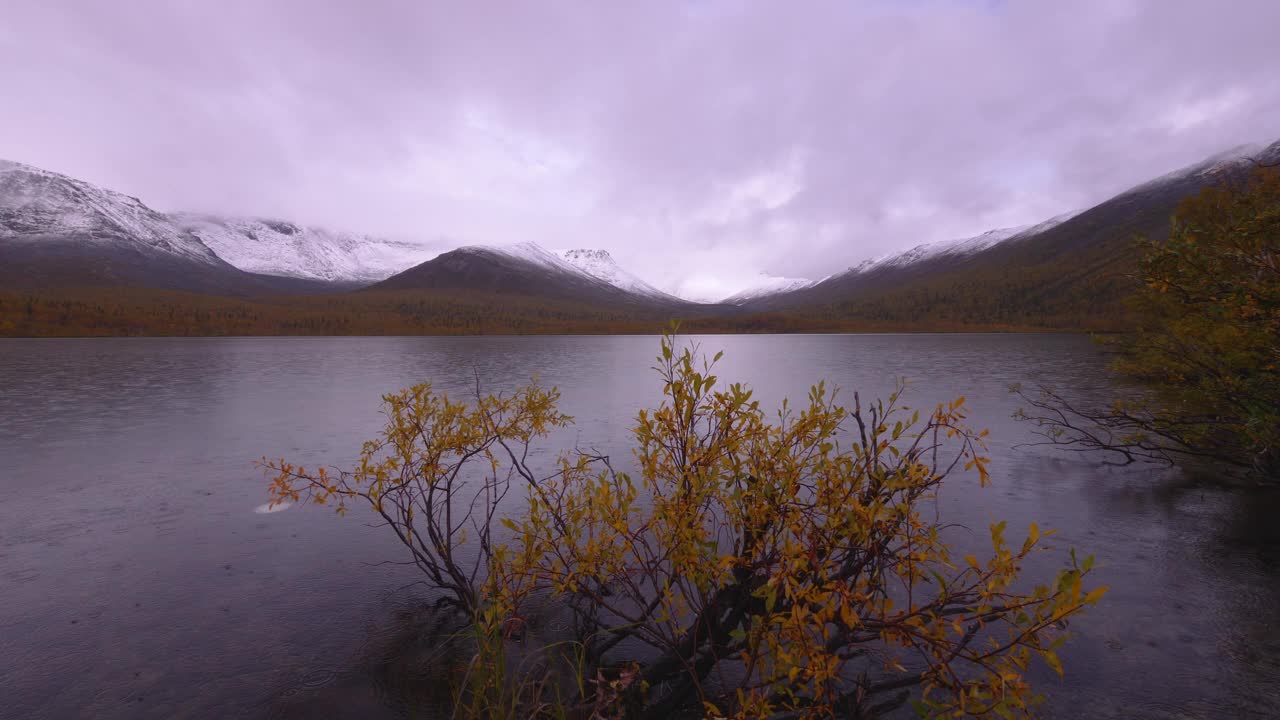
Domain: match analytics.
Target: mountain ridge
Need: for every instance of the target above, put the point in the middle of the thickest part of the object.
(273, 246)
(524, 269)
(601, 265)
(1069, 271)
(59, 230)
(56, 230)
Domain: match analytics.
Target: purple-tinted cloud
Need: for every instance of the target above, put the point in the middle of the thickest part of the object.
(700, 142)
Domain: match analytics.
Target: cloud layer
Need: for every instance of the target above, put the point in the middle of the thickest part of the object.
(699, 142)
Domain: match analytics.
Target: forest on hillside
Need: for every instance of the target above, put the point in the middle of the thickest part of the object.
(90, 312)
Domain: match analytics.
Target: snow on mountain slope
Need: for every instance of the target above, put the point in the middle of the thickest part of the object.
(920, 253)
(38, 205)
(1211, 165)
(963, 247)
(594, 265)
(1046, 224)
(601, 265)
(534, 254)
(768, 285)
(277, 247)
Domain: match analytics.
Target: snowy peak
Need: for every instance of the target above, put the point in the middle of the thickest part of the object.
(528, 253)
(584, 257)
(583, 267)
(601, 265)
(41, 206)
(38, 206)
(279, 247)
(766, 286)
(524, 270)
(596, 265)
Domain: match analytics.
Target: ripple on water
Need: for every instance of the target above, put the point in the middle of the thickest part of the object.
(267, 508)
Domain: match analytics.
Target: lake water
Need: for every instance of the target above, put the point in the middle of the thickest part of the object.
(137, 580)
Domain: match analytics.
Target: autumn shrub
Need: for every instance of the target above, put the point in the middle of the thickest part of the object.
(1205, 358)
(737, 565)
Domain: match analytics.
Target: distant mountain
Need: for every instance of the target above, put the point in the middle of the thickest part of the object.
(1071, 270)
(279, 247)
(56, 230)
(528, 270)
(894, 267)
(59, 231)
(601, 265)
(768, 286)
(949, 249)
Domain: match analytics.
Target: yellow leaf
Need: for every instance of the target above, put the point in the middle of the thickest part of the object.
(1052, 660)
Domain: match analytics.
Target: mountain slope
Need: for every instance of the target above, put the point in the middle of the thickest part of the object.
(601, 265)
(37, 205)
(278, 247)
(522, 270)
(893, 268)
(59, 231)
(768, 286)
(1070, 271)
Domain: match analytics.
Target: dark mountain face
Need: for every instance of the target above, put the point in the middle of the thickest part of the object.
(537, 275)
(1072, 271)
(67, 262)
(63, 261)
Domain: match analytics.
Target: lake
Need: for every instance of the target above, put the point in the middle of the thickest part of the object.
(140, 579)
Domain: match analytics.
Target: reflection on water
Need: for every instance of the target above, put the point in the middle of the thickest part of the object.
(137, 557)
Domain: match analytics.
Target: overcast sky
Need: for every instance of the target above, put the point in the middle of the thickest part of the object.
(700, 142)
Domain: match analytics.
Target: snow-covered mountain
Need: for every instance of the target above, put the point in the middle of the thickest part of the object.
(76, 231)
(57, 231)
(531, 252)
(929, 251)
(601, 265)
(42, 206)
(956, 249)
(525, 269)
(771, 286)
(596, 265)
(766, 286)
(1236, 157)
(278, 247)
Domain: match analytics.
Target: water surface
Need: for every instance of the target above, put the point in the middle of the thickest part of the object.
(137, 580)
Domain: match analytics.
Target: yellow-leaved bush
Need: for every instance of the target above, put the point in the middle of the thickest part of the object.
(742, 565)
